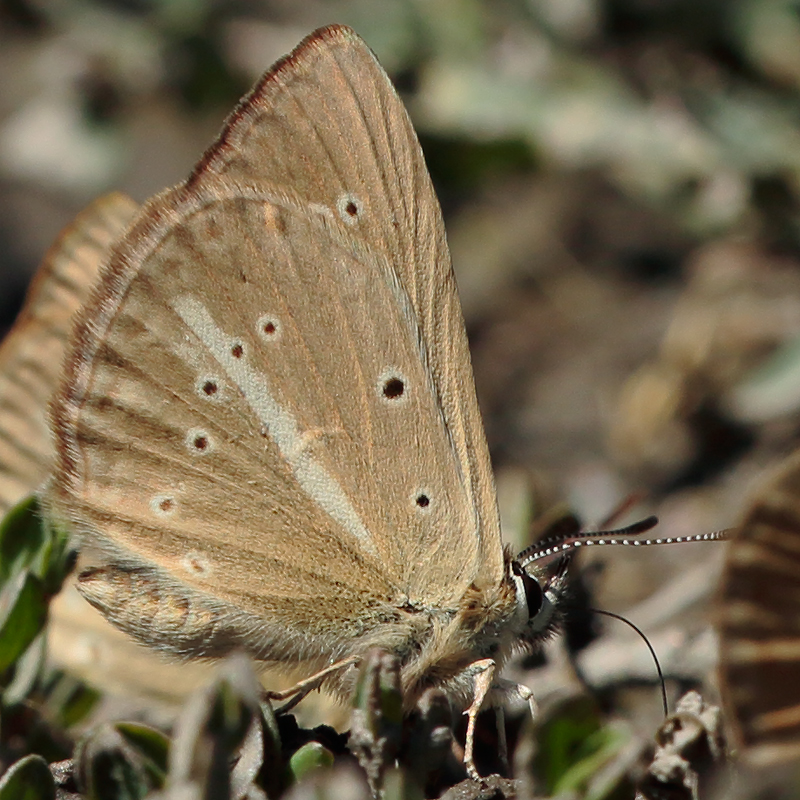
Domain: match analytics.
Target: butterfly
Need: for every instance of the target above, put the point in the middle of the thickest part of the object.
(267, 427)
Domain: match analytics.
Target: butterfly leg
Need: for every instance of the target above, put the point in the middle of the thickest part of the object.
(505, 689)
(302, 689)
(483, 671)
(511, 689)
(502, 742)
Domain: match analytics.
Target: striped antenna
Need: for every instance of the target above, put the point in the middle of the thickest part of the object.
(556, 545)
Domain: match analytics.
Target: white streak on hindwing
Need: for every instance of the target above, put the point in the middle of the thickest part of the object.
(282, 427)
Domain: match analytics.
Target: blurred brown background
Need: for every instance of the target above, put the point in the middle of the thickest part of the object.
(620, 181)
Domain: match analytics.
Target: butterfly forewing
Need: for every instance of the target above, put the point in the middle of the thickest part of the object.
(32, 353)
(760, 622)
(327, 123)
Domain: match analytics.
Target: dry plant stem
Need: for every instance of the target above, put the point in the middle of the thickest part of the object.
(302, 689)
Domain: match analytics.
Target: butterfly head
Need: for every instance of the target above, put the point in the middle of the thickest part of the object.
(539, 599)
(540, 572)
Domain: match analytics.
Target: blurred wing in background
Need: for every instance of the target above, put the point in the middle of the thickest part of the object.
(31, 354)
(760, 623)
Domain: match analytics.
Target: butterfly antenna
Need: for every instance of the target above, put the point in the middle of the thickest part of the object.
(649, 647)
(625, 536)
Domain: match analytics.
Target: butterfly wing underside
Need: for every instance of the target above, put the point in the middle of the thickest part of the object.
(759, 622)
(327, 122)
(270, 396)
(32, 353)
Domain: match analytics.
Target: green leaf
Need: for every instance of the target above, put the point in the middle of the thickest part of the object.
(151, 746)
(27, 671)
(69, 700)
(23, 613)
(109, 768)
(272, 769)
(599, 749)
(212, 727)
(56, 557)
(21, 538)
(564, 739)
(309, 757)
(376, 724)
(28, 779)
(28, 540)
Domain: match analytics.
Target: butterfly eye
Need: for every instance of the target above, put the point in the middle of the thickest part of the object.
(534, 596)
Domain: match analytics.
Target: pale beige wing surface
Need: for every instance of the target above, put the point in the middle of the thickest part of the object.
(31, 354)
(242, 420)
(269, 396)
(328, 123)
